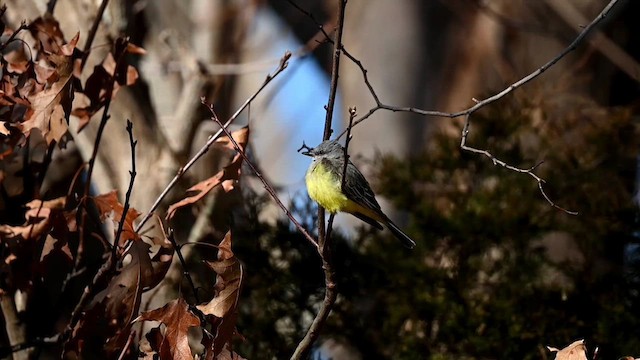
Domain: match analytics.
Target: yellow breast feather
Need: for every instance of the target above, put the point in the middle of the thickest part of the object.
(325, 188)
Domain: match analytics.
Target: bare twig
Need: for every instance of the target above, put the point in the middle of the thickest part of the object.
(87, 185)
(109, 266)
(87, 293)
(574, 44)
(12, 37)
(335, 69)
(266, 184)
(599, 41)
(352, 115)
(126, 345)
(498, 162)
(51, 5)
(211, 140)
(93, 32)
(183, 263)
(480, 104)
(324, 236)
(320, 26)
(132, 174)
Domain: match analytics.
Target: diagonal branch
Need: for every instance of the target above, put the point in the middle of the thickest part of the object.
(498, 162)
(324, 236)
(266, 184)
(205, 148)
(92, 32)
(480, 104)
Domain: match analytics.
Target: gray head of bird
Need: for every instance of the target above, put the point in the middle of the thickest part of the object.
(326, 149)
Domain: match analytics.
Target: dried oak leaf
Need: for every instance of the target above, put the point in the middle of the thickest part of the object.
(108, 204)
(150, 345)
(41, 217)
(576, 351)
(228, 281)
(223, 306)
(17, 57)
(51, 107)
(46, 30)
(162, 250)
(227, 177)
(108, 73)
(177, 318)
(227, 354)
(4, 130)
(107, 323)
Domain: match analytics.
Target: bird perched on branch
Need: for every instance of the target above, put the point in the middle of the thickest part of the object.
(354, 196)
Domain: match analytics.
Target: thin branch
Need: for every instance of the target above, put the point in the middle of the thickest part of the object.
(87, 294)
(132, 174)
(283, 65)
(352, 114)
(23, 26)
(335, 69)
(480, 104)
(93, 32)
(324, 236)
(48, 156)
(587, 29)
(310, 16)
(498, 162)
(266, 184)
(126, 345)
(110, 265)
(185, 269)
(51, 5)
(87, 185)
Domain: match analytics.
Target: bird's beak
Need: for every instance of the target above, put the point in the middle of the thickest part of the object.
(308, 152)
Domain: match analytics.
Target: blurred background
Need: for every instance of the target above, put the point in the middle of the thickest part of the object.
(498, 273)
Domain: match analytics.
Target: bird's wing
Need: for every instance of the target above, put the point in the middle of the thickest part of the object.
(368, 220)
(358, 190)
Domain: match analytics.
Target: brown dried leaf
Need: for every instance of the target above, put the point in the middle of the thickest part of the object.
(82, 110)
(227, 354)
(4, 129)
(18, 58)
(223, 306)
(108, 204)
(161, 260)
(227, 177)
(178, 319)
(39, 219)
(109, 73)
(576, 351)
(51, 107)
(202, 188)
(46, 30)
(134, 49)
(108, 321)
(132, 75)
(240, 136)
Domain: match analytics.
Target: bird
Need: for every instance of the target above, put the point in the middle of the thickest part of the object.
(324, 185)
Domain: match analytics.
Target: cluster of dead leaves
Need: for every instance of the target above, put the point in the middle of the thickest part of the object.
(111, 314)
(38, 83)
(40, 88)
(45, 232)
(106, 324)
(216, 319)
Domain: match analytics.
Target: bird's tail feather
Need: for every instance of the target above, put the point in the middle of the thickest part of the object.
(400, 235)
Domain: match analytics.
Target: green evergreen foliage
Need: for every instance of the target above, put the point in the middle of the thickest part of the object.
(498, 272)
